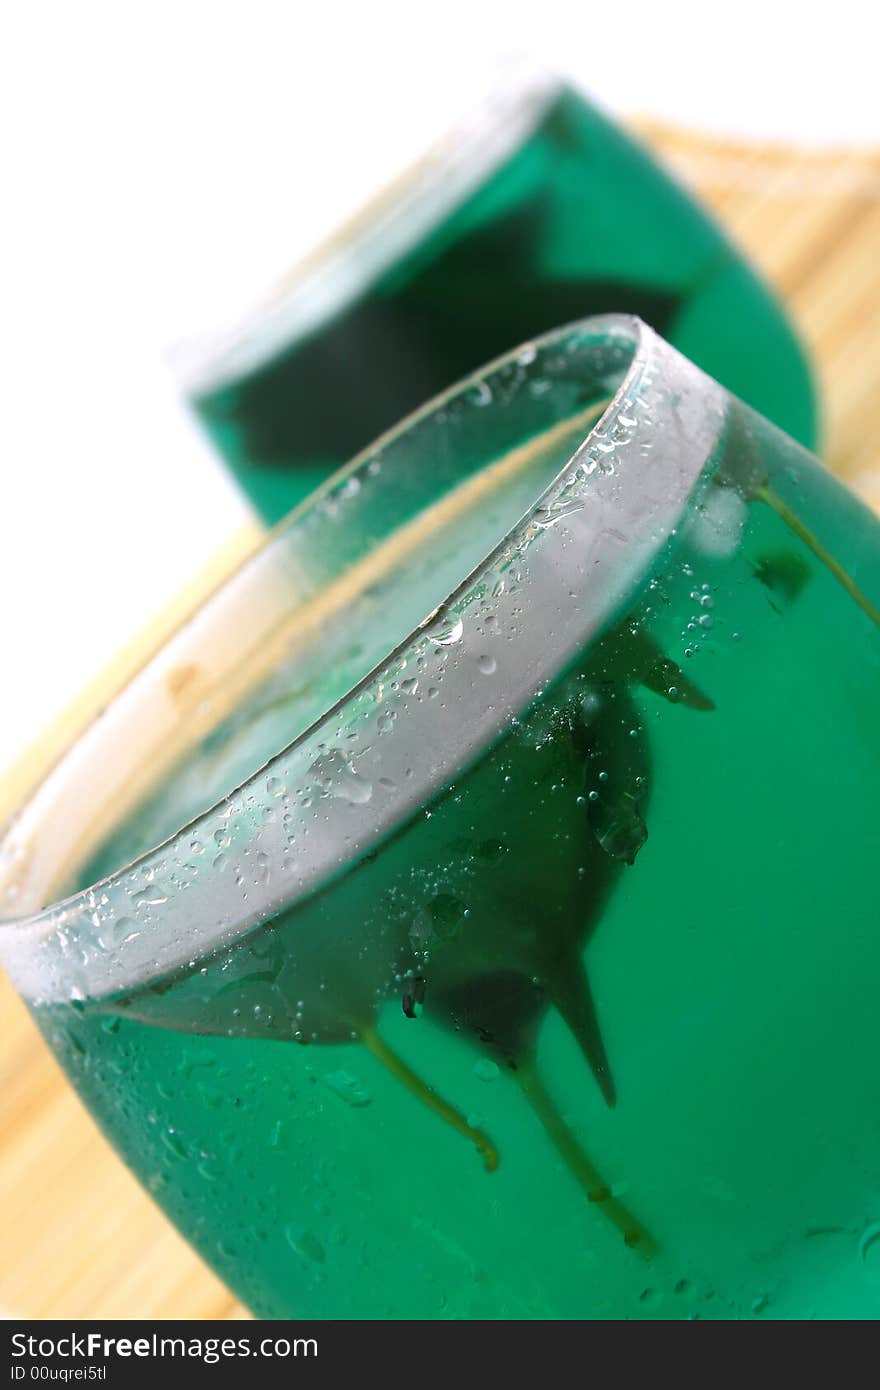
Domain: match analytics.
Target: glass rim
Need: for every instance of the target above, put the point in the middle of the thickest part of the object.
(586, 539)
(377, 234)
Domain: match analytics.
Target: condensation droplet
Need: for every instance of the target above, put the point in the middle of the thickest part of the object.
(305, 1244)
(447, 631)
(486, 1069)
(148, 897)
(869, 1247)
(335, 775)
(348, 1088)
(480, 394)
(717, 526)
(116, 934)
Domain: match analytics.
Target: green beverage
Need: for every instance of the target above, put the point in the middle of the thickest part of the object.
(536, 212)
(533, 973)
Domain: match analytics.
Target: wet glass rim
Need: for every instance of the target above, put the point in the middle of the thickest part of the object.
(692, 437)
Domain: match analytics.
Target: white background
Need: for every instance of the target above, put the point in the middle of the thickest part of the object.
(160, 165)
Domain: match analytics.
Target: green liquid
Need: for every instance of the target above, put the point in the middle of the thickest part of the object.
(578, 221)
(686, 821)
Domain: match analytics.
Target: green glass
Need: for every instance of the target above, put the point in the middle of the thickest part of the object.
(517, 957)
(535, 213)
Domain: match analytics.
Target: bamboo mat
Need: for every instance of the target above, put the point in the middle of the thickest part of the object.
(78, 1237)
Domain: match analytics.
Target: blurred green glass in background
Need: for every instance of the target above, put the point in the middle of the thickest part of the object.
(536, 212)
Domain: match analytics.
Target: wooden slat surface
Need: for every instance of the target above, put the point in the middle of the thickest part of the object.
(811, 222)
(78, 1237)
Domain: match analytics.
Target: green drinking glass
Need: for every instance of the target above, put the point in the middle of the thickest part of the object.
(535, 211)
(471, 911)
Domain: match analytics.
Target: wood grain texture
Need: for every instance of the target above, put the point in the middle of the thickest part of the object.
(811, 222)
(78, 1236)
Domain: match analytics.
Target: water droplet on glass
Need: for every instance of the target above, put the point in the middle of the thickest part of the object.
(348, 1088)
(148, 897)
(174, 1144)
(335, 775)
(305, 1243)
(869, 1247)
(486, 1069)
(115, 934)
(447, 631)
(480, 394)
(717, 525)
